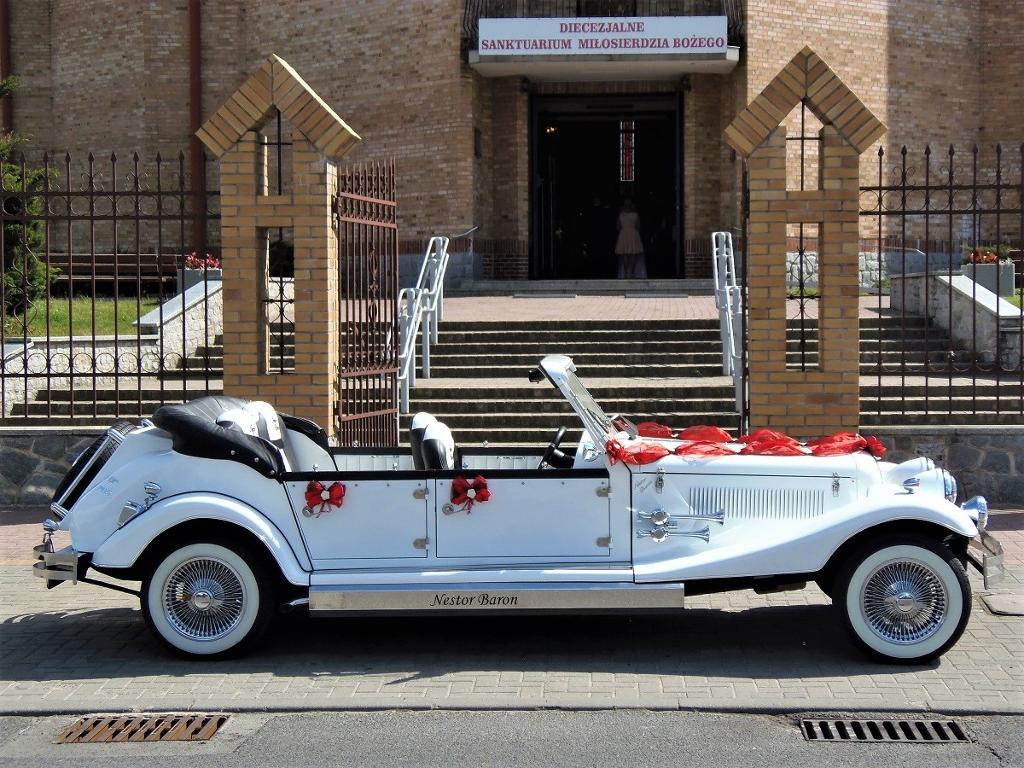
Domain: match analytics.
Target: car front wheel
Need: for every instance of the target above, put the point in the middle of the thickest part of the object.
(207, 600)
(904, 601)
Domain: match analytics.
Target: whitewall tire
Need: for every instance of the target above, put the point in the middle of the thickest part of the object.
(904, 600)
(207, 600)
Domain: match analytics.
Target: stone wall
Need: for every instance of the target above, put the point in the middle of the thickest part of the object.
(33, 461)
(985, 327)
(986, 461)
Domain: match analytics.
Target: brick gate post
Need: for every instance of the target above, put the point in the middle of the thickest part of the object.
(249, 212)
(826, 397)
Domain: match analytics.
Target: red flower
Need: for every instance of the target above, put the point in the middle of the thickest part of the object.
(467, 492)
(319, 499)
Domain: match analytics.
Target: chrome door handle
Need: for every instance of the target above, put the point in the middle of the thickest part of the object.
(660, 533)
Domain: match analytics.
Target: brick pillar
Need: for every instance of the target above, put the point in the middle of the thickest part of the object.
(311, 389)
(826, 397)
(823, 398)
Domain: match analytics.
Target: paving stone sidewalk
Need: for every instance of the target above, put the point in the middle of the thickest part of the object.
(82, 648)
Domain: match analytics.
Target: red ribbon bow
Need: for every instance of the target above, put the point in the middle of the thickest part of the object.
(466, 492)
(318, 498)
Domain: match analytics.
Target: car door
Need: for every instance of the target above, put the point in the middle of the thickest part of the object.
(531, 515)
(379, 518)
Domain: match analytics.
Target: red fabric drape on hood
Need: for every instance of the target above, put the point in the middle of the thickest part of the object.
(702, 448)
(704, 433)
(653, 429)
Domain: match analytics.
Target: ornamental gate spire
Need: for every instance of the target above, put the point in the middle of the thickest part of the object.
(826, 397)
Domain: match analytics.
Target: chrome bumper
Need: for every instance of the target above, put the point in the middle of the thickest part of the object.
(57, 567)
(986, 554)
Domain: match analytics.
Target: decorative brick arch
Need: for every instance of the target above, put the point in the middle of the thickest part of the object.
(826, 398)
(319, 139)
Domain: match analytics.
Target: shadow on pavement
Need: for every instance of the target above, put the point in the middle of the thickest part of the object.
(776, 642)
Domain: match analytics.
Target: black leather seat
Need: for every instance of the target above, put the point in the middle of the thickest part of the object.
(438, 447)
(195, 432)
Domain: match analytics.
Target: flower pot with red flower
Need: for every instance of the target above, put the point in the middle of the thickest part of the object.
(990, 268)
(197, 269)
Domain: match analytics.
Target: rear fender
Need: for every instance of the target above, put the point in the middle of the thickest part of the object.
(124, 547)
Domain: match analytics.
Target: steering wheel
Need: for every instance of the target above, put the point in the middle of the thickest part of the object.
(554, 457)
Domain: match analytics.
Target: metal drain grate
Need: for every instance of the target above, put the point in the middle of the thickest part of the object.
(102, 728)
(915, 731)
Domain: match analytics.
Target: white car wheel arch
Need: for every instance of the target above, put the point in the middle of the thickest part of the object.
(203, 599)
(904, 601)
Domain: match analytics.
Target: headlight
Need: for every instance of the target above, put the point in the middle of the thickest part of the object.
(949, 486)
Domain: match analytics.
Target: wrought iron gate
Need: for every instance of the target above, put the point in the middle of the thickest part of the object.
(365, 208)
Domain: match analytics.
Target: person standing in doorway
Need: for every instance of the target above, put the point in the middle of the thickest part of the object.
(629, 247)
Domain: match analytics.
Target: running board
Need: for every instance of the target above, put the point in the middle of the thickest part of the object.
(567, 597)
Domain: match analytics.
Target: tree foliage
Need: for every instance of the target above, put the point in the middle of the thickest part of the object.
(26, 277)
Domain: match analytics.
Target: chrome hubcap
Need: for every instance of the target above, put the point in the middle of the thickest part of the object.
(203, 598)
(904, 601)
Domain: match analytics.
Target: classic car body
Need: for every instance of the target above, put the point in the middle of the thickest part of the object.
(227, 511)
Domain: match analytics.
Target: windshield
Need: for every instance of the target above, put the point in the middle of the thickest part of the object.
(561, 371)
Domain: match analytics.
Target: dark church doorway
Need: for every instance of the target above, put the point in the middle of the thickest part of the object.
(590, 156)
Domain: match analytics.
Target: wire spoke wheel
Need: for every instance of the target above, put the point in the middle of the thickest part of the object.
(904, 601)
(203, 598)
(209, 599)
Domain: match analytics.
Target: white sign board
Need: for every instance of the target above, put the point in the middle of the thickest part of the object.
(643, 35)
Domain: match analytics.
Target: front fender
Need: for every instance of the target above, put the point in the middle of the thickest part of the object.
(123, 548)
(773, 547)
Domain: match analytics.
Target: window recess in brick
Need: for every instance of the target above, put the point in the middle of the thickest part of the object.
(274, 156)
(278, 316)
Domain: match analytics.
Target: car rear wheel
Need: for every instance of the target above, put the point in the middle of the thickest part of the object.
(904, 601)
(207, 600)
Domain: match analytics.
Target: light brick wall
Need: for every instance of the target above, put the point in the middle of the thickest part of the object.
(106, 76)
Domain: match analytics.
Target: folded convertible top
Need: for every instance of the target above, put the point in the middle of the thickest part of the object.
(194, 432)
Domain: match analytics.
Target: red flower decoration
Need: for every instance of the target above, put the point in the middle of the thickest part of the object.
(467, 492)
(319, 499)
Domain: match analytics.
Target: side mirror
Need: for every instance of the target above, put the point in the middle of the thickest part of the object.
(536, 376)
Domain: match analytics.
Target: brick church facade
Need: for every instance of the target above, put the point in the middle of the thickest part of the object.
(537, 152)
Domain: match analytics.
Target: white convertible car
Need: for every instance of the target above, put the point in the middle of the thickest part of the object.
(227, 511)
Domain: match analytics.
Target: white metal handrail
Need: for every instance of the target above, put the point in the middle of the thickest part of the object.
(422, 305)
(729, 302)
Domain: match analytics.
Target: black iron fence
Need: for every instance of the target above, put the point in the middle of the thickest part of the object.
(944, 274)
(94, 254)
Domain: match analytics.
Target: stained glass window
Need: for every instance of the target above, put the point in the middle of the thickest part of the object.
(627, 147)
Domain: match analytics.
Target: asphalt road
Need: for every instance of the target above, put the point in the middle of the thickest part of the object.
(520, 738)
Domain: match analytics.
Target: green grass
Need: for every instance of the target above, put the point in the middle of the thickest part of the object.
(1017, 298)
(81, 310)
